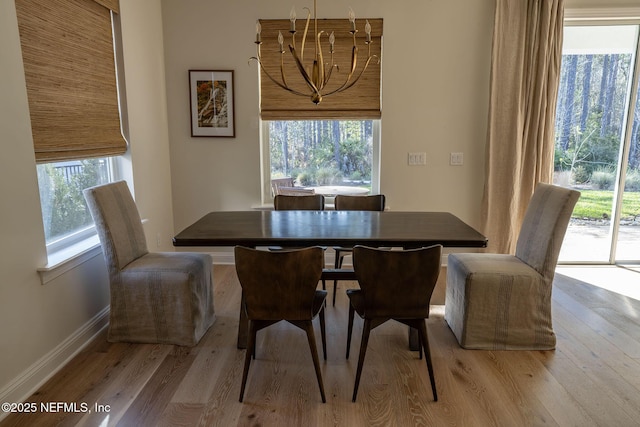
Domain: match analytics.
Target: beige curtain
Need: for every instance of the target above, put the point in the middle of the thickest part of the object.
(525, 72)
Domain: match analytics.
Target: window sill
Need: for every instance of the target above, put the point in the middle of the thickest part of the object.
(69, 258)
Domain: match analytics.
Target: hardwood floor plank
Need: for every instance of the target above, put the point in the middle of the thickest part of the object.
(222, 407)
(622, 311)
(181, 414)
(594, 401)
(468, 377)
(124, 386)
(149, 404)
(197, 385)
(538, 386)
(617, 377)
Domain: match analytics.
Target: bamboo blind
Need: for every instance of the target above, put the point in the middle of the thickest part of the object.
(361, 101)
(67, 50)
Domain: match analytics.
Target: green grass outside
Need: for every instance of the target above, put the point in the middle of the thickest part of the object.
(595, 204)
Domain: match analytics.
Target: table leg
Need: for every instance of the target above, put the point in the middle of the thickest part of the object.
(243, 326)
(414, 342)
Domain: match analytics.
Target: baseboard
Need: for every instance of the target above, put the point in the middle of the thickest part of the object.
(25, 384)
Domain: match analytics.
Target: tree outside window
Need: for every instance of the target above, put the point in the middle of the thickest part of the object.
(322, 152)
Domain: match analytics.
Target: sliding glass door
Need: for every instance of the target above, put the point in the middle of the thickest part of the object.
(598, 142)
(628, 241)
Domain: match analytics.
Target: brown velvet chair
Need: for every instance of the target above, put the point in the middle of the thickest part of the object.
(353, 203)
(394, 285)
(282, 286)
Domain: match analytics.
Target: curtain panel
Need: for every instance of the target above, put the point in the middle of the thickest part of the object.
(69, 63)
(361, 101)
(525, 73)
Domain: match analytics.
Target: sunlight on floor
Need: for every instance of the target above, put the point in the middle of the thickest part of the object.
(622, 280)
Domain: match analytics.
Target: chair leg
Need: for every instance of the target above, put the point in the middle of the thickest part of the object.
(351, 315)
(422, 328)
(247, 358)
(308, 327)
(336, 264)
(363, 350)
(323, 334)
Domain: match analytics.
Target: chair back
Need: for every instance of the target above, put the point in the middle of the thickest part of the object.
(359, 203)
(279, 285)
(295, 191)
(311, 202)
(544, 226)
(397, 284)
(118, 224)
(277, 183)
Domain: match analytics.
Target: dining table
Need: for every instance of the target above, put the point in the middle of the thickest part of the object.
(260, 228)
(340, 190)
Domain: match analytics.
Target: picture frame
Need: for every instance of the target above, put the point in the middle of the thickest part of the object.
(211, 96)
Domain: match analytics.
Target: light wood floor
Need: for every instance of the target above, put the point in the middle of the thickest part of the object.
(592, 378)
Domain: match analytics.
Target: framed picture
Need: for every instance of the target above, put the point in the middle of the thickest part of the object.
(212, 109)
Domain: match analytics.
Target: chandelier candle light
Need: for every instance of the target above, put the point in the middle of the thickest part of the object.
(319, 73)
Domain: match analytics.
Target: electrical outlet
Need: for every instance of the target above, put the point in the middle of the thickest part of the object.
(456, 159)
(417, 159)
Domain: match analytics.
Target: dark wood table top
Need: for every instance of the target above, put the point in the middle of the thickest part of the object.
(329, 228)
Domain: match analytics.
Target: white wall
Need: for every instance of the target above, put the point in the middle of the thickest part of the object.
(435, 73)
(37, 318)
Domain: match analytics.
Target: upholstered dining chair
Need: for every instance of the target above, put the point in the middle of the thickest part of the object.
(282, 286)
(373, 202)
(394, 285)
(501, 301)
(164, 297)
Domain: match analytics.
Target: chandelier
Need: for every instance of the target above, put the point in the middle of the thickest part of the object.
(317, 75)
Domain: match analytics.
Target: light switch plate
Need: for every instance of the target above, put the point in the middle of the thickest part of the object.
(417, 159)
(457, 159)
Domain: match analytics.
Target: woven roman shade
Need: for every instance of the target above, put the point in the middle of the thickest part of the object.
(68, 55)
(361, 101)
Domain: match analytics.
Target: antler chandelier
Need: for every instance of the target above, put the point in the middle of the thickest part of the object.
(317, 75)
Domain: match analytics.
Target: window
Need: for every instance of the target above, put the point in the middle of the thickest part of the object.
(64, 210)
(319, 153)
(70, 72)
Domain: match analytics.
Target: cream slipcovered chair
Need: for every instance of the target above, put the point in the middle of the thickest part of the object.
(164, 297)
(503, 302)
